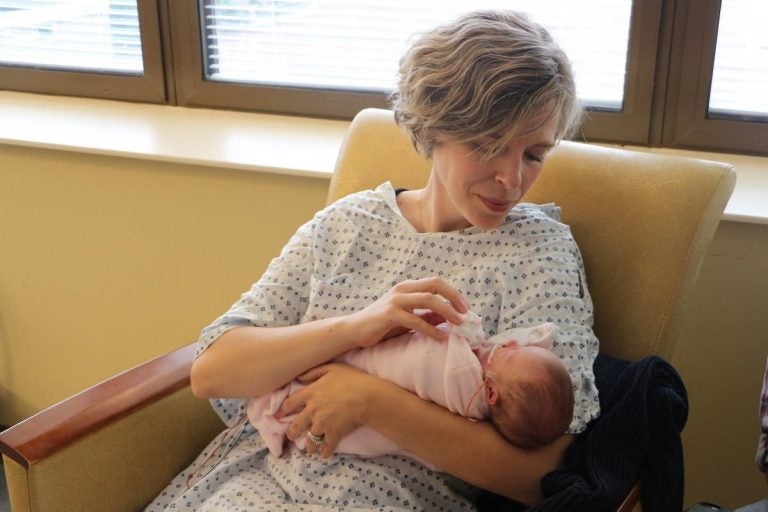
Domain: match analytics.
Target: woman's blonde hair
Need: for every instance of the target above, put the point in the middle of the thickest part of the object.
(480, 78)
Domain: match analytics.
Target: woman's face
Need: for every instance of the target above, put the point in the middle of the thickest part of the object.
(476, 191)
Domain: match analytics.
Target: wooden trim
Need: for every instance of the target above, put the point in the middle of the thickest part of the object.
(54, 428)
(631, 500)
(152, 48)
(167, 51)
(187, 49)
(661, 88)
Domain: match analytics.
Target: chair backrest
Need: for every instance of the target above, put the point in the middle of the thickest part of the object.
(643, 222)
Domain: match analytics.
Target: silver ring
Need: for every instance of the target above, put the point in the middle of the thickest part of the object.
(317, 439)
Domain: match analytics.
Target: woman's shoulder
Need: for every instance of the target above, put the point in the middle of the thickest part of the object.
(370, 200)
(534, 219)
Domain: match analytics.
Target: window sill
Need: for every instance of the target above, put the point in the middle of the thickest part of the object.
(212, 138)
(248, 141)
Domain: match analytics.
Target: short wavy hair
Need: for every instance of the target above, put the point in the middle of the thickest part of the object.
(481, 78)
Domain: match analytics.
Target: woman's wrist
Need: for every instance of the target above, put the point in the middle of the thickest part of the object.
(344, 332)
(378, 399)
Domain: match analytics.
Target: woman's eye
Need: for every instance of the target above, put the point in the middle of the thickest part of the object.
(534, 158)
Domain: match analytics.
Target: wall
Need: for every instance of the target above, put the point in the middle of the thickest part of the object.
(721, 355)
(106, 262)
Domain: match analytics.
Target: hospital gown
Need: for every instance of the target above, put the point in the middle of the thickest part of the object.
(525, 272)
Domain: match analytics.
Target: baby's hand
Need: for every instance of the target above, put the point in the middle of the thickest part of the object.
(471, 327)
(543, 335)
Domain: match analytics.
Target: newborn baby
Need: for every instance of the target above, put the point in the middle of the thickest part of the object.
(513, 379)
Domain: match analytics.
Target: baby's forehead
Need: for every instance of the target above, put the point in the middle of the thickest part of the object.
(531, 360)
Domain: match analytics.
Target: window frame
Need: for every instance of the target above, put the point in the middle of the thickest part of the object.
(194, 90)
(670, 58)
(687, 123)
(149, 88)
(631, 124)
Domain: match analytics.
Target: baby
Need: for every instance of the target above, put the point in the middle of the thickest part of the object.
(513, 379)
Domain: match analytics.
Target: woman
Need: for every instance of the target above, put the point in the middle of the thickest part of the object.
(486, 98)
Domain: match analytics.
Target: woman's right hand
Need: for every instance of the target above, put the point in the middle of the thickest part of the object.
(394, 313)
(252, 361)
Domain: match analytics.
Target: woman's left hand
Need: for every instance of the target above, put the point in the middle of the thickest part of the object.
(331, 406)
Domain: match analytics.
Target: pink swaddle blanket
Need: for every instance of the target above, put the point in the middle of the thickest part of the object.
(448, 373)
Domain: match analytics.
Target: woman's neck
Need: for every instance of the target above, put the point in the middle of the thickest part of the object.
(412, 204)
(425, 208)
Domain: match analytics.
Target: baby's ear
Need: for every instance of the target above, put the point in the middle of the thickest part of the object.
(491, 392)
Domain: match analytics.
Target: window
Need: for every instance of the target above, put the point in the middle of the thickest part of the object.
(740, 71)
(87, 36)
(90, 47)
(718, 105)
(333, 57)
(356, 45)
(678, 73)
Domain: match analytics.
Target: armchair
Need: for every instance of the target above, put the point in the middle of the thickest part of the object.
(643, 223)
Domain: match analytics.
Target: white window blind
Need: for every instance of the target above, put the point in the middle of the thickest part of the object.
(338, 44)
(740, 76)
(86, 35)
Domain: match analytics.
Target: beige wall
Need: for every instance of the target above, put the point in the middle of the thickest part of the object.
(721, 355)
(105, 262)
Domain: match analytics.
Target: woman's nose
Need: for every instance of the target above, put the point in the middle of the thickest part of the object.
(509, 172)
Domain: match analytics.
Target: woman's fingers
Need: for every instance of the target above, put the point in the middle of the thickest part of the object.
(432, 318)
(435, 286)
(330, 406)
(402, 314)
(295, 404)
(315, 373)
(328, 446)
(321, 438)
(437, 305)
(397, 311)
(417, 324)
(290, 405)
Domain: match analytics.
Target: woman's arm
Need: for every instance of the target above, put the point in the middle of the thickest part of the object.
(341, 398)
(251, 361)
(472, 451)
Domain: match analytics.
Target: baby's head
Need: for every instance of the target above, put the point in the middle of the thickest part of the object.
(530, 394)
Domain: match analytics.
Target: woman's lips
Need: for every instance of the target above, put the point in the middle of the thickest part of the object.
(495, 205)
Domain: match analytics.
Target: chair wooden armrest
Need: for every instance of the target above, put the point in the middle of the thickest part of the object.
(115, 445)
(632, 502)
